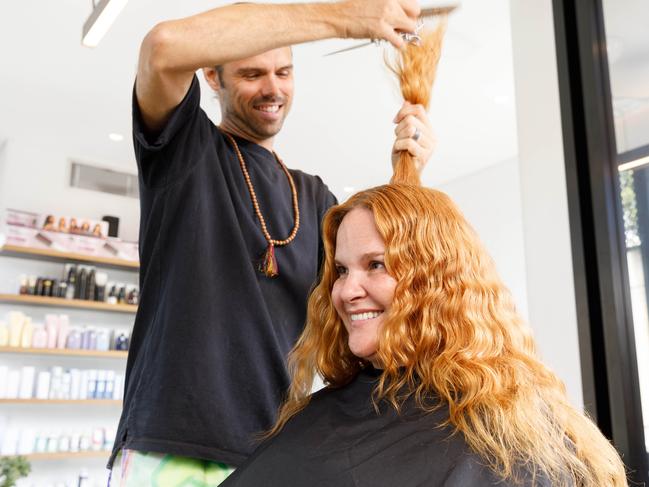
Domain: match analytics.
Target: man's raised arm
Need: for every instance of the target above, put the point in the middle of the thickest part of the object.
(173, 50)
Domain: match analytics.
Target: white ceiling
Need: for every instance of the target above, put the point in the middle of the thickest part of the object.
(52, 88)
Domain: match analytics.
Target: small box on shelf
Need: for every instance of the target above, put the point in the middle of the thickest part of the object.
(46, 233)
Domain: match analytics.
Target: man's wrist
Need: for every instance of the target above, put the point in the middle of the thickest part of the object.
(335, 16)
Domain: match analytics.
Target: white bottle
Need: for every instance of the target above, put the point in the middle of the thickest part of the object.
(75, 384)
(97, 439)
(26, 442)
(27, 333)
(66, 385)
(52, 442)
(83, 479)
(92, 384)
(27, 376)
(43, 384)
(110, 384)
(52, 328)
(4, 334)
(16, 319)
(83, 385)
(41, 442)
(13, 384)
(64, 329)
(101, 384)
(118, 393)
(64, 443)
(4, 379)
(10, 441)
(55, 384)
(74, 442)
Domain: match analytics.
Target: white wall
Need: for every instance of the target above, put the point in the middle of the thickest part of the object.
(3, 164)
(550, 284)
(490, 200)
(35, 177)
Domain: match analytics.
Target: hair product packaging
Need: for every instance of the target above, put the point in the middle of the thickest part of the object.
(110, 384)
(92, 384)
(4, 378)
(4, 334)
(13, 384)
(27, 375)
(101, 384)
(16, 319)
(101, 278)
(52, 328)
(64, 330)
(75, 384)
(27, 334)
(43, 385)
(103, 340)
(39, 336)
(73, 341)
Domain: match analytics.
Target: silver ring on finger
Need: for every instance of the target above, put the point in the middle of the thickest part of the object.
(416, 135)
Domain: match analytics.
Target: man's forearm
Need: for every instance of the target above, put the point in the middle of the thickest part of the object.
(238, 31)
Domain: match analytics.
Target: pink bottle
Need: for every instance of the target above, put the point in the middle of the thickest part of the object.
(52, 328)
(39, 336)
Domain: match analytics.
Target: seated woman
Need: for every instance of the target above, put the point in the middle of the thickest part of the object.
(431, 375)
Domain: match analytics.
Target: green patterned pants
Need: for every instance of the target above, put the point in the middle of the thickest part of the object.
(144, 469)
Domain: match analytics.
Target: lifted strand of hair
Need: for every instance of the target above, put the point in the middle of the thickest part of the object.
(416, 67)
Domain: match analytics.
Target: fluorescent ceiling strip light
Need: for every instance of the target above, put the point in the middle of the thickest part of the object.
(102, 17)
(643, 161)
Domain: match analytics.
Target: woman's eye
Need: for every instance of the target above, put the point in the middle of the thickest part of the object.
(340, 270)
(375, 264)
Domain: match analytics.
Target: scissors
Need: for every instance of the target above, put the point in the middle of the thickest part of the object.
(409, 37)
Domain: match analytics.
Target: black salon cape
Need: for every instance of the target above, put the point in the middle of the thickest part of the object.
(339, 440)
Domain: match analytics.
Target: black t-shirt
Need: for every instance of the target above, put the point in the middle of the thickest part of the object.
(339, 440)
(206, 369)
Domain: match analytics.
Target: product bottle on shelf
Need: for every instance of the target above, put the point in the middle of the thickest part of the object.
(80, 290)
(27, 333)
(4, 334)
(90, 288)
(71, 283)
(83, 479)
(39, 336)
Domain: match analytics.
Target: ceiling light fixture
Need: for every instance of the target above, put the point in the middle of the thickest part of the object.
(115, 137)
(103, 15)
(643, 161)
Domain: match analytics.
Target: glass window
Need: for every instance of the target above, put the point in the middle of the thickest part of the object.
(627, 41)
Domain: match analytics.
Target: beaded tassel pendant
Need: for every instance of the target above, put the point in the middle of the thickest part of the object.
(268, 264)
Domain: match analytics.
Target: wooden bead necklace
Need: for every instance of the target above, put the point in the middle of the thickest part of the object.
(268, 264)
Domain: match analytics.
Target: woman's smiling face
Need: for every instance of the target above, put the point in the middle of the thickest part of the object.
(363, 291)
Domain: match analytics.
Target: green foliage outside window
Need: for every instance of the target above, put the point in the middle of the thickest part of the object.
(630, 209)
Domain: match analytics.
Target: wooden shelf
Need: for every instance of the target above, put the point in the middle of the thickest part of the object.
(63, 455)
(67, 303)
(66, 352)
(98, 402)
(48, 254)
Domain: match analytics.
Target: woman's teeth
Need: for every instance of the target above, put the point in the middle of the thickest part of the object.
(365, 316)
